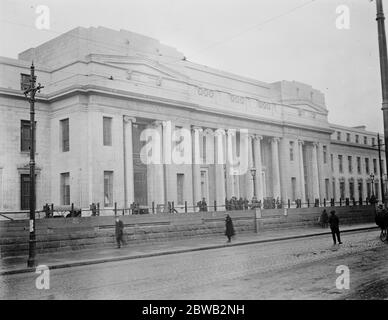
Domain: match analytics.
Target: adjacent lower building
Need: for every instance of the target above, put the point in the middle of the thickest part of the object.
(111, 98)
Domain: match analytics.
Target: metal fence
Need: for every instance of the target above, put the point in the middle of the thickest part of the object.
(95, 209)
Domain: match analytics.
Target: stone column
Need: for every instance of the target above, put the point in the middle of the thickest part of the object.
(321, 172)
(128, 161)
(197, 161)
(220, 166)
(301, 172)
(248, 175)
(315, 178)
(169, 177)
(285, 180)
(275, 167)
(230, 190)
(158, 194)
(257, 161)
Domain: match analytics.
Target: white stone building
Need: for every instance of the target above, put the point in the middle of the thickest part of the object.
(102, 88)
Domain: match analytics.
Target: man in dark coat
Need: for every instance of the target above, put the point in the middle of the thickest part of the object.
(119, 228)
(334, 227)
(229, 232)
(324, 219)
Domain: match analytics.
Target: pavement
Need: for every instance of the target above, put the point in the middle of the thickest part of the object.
(66, 259)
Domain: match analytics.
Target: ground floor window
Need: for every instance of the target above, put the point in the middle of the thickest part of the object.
(65, 188)
(293, 185)
(25, 192)
(342, 189)
(327, 182)
(351, 190)
(180, 185)
(108, 188)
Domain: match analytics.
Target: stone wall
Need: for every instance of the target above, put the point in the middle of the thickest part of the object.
(98, 232)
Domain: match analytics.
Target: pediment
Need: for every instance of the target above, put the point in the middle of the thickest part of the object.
(141, 65)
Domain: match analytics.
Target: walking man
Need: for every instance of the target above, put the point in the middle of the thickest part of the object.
(334, 227)
(229, 232)
(119, 232)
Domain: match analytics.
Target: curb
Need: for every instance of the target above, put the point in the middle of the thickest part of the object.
(155, 254)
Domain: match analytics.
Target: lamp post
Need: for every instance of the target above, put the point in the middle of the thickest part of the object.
(253, 173)
(30, 95)
(383, 71)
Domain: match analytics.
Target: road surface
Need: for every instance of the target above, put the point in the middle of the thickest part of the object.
(291, 269)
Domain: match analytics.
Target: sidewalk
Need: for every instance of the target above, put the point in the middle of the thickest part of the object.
(65, 259)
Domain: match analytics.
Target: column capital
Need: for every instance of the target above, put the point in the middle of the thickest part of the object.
(156, 123)
(257, 137)
(300, 142)
(219, 131)
(196, 128)
(208, 131)
(315, 144)
(275, 139)
(129, 118)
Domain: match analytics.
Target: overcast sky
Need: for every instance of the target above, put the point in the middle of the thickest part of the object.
(268, 40)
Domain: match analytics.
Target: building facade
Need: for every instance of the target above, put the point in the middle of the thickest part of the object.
(104, 90)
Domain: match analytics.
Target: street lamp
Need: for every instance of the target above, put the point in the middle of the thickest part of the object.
(253, 173)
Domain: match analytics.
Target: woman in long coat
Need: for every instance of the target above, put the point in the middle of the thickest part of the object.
(229, 232)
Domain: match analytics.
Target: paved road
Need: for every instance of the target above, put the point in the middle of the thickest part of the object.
(292, 269)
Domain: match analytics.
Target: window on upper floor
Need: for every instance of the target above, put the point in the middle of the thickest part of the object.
(107, 131)
(324, 148)
(348, 137)
(338, 135)
(357, 138)
(350, 165)
(65, 137)
(332, 162)
(340, 164)
(358, 165)
(374, 166)
(373, 142)
(291, 151)
(365, 140)
(367, 165)
(24, 81)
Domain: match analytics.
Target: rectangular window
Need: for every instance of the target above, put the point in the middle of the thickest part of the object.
(327, 183)
(65, 188)
(351, 190)
(338, 135)
(333, 188)
(368, 189)
(291, 151)
(25, 135)
(365, 140)
(332, 162)
(24, 81)
(350, 166)
(25, 192)
(340, 164)
(358, 165)
(107, 131)
(376, 190)
(108, 188)
(359, 190)
(180, 184)
(367, 165)
(324, 154)
(342, 189)
(293, 186)
(64, 124)
(357, 138)
(373, 142)
(374, 166)
(348, 137)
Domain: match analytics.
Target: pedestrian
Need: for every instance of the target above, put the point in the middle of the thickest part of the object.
(229, 232)
(334, 227)
(324, 219)
(119, 228)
